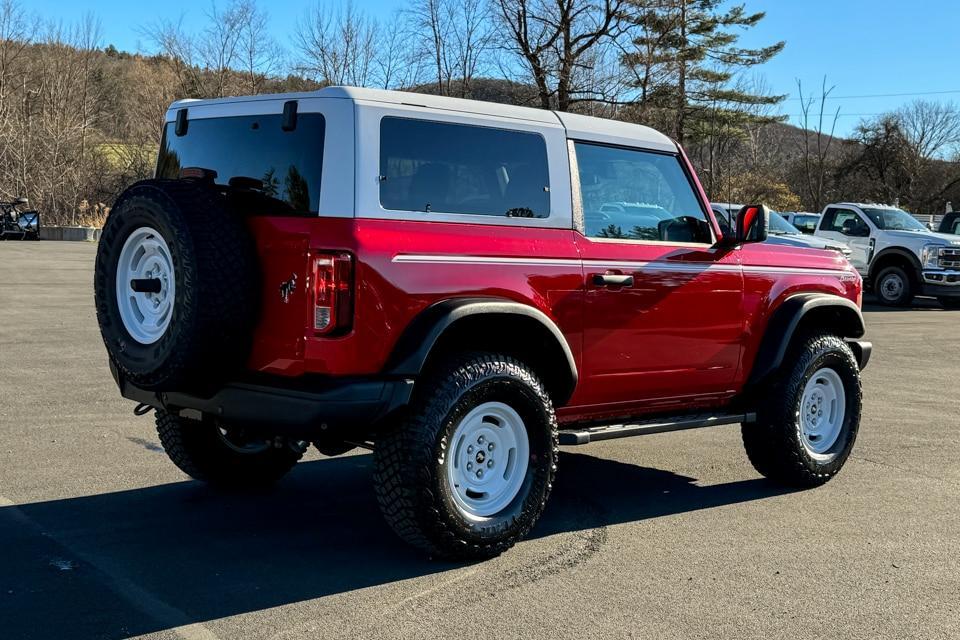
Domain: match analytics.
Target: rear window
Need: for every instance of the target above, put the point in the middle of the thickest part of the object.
(452, 168)
(255, 152)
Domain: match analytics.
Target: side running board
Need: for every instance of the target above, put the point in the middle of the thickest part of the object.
(587, 435)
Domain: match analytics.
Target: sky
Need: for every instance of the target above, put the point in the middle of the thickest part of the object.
(867, 49)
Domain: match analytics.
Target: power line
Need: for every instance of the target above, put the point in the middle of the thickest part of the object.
(888, 95)
(829, 115)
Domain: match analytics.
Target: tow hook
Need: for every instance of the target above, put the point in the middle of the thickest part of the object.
(142, 409)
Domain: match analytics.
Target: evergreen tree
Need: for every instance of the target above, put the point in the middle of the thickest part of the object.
(684, 59)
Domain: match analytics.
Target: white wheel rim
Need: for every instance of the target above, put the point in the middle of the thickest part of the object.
(145, 315)
(822, 411)
(487, 460)
(891, 287)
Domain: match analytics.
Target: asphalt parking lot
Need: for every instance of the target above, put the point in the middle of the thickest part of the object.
(666, 536)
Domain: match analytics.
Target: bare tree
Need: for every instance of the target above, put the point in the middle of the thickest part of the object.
(816, 142)
(219, 43)
(931, 128)
(260, 55)
(180, 52)
(456, 36)
(553, 39)
(337, 45)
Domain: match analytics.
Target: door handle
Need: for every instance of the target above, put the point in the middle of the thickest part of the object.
(612, 280)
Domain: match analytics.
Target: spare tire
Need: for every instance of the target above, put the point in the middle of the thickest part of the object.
(176, 286)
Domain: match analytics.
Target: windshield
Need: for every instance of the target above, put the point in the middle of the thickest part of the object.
(778, 225)
(894, 219)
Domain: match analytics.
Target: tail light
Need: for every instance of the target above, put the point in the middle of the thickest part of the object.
(332, 292)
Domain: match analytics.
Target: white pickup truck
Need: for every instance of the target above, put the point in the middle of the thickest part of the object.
(896, 254)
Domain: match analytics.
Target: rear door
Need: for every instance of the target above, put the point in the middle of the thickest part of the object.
(663, 305)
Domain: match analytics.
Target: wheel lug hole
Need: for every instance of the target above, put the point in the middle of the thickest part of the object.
(490, 447)
(479, 473)
(490, 463)
(470, 449)
(481, 440)
(469, 466)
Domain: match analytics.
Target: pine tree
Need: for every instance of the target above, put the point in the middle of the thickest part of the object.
(684, 59)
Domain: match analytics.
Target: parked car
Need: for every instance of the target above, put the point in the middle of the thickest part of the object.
(802, 220)
(950, 223)
(895, 253)
(459, 286)
(780, 231)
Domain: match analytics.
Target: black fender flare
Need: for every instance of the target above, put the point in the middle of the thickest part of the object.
(900, 253)
(787, 317)
(419, 338)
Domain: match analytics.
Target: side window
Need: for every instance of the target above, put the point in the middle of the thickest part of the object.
(638, 195)
(956, 226)
(452, 168)
(844, 221)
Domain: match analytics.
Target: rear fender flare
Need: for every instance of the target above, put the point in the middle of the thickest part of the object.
(418, 340)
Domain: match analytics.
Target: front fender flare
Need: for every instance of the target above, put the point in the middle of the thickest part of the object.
(846, 316)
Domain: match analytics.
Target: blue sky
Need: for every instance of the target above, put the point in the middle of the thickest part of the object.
(864, 47)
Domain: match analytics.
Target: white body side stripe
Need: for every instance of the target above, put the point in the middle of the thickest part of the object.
(685, 267)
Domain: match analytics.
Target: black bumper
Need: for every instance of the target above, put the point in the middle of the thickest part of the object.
(287, 407)
(862, 351)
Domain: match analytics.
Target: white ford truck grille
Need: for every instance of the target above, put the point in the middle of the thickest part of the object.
(950, 257)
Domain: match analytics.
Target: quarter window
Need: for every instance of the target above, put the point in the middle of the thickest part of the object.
(440, 167)
(631, 194)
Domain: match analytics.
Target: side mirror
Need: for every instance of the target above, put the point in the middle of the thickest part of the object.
(753, 223)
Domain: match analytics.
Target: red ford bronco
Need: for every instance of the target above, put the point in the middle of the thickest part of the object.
(462, 287)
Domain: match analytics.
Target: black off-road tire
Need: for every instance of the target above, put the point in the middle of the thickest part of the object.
(774, 442)
(217, 286)
(200, 451)
(904, 298)
(410, 472)
(949, 303)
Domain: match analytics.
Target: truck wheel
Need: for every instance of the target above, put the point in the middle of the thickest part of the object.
(949, 303)
(468, 472)
(176, 286)
(808, 417)
(893, 287)
(226, 457)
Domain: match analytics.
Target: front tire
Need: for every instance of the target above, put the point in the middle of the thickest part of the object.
(224, 456)
(468, 472)
(809, 415)
(893, 287)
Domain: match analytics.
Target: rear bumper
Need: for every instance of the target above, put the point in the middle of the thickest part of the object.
(324, 406)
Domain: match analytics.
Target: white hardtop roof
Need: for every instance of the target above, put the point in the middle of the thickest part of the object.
(861, 205)
(576, 125)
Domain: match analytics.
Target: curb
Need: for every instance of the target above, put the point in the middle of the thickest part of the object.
(73, 234)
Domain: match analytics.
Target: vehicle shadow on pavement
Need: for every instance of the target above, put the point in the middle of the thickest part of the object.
(183, 553)
(871, 304)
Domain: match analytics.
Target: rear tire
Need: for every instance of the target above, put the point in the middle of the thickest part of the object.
(893, 287)
(468, 472)
(809, 415)
(209, 452)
